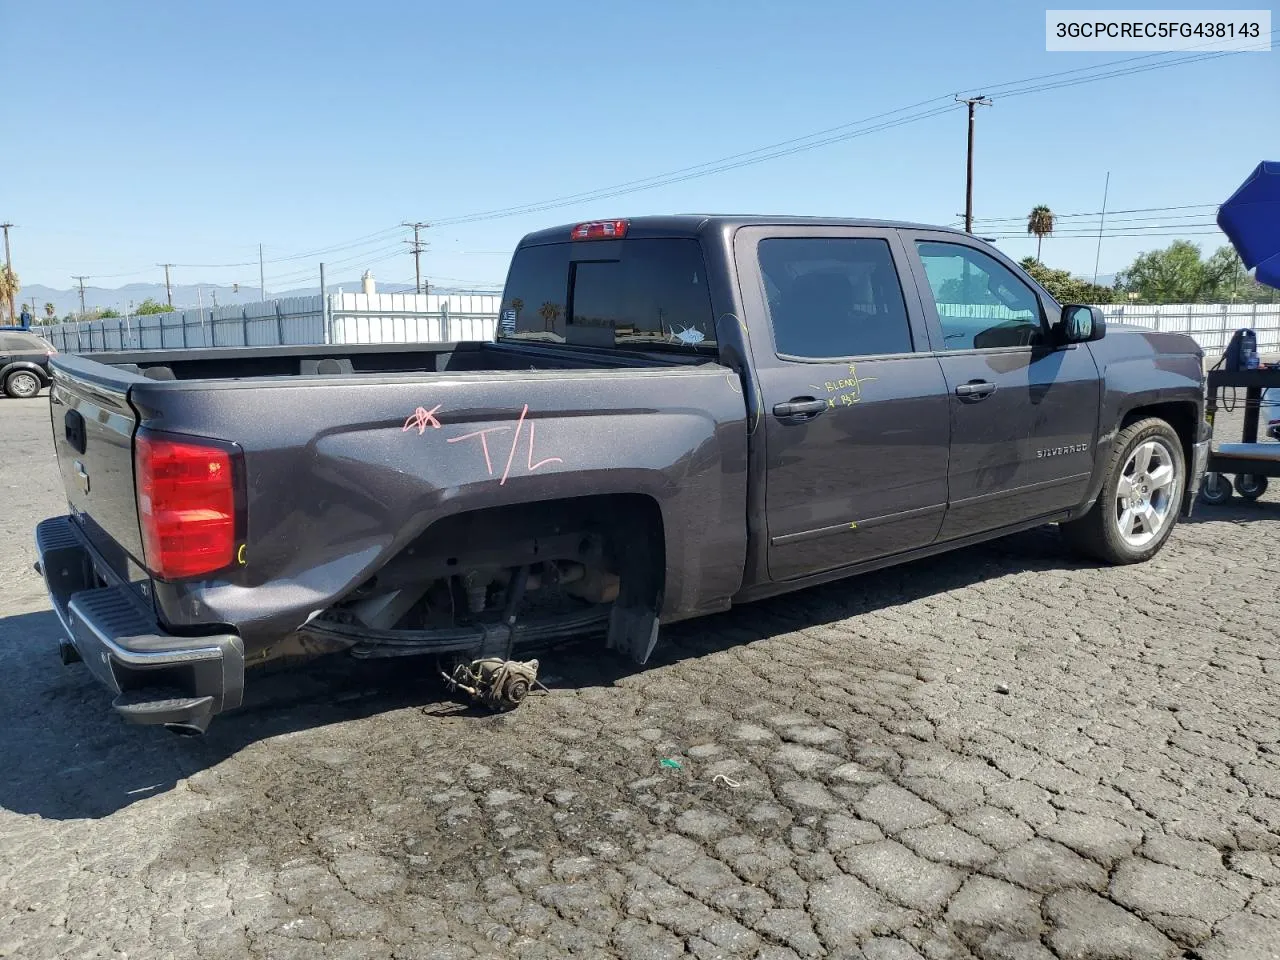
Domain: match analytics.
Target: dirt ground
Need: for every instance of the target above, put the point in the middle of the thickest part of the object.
(1001, 753)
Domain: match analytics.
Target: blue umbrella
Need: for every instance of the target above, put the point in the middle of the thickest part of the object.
(1251, 221)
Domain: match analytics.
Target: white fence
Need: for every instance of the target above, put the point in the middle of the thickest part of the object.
(351, 318)
(436, 318)
(1209, 324)
(411, 317)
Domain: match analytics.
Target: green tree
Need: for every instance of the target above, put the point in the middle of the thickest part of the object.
(1064, 287)
(104, 313)
(49, 311)
(1040, 224)
(9, 287)
(1179, 274)
(149, 306)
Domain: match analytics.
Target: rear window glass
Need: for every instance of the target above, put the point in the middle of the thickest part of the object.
(653, 294)
(24, 343)
(534, 298)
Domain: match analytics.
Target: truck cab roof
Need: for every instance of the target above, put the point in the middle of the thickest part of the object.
(695, 224)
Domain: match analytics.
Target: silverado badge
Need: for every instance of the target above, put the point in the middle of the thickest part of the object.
(1059, 451)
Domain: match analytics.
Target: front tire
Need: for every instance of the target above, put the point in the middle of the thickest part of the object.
(22, 384)
(1138, 505)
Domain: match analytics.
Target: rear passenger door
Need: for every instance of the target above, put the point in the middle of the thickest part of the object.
(1024, 413)
(854, 406)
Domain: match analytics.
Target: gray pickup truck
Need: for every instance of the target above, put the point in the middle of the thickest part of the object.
(677, 414)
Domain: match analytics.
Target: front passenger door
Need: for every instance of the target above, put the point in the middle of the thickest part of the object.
(1024, 413)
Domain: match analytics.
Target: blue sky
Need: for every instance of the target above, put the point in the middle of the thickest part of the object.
(183, 132)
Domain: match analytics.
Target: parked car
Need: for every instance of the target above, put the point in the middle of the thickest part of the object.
(24, 363)
(678, 414)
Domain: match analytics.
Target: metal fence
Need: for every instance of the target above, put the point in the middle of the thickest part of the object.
(1209, 324)
(423, 318)
(344, 318)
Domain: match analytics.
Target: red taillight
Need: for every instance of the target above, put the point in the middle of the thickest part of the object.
(600, 230)
(186, 506)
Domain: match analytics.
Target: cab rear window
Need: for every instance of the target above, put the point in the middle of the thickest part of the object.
(651, 294)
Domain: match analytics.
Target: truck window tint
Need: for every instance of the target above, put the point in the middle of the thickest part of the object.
(533, 301)
(655, 293)
(834, 297)
(981, 302)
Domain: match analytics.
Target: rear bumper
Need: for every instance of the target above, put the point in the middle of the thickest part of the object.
(156, 677)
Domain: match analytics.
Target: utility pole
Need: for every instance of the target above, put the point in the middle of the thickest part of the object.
(8, 265)
(968, 180)
(168, 290)
(82, 280)
(262, 284)
(417, 247)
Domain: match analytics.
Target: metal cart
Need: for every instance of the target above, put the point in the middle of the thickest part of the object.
(1249, 461)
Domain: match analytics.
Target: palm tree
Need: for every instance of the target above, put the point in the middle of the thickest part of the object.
(550, 313)
(1040, 223)
(9, 287)
(49, 311)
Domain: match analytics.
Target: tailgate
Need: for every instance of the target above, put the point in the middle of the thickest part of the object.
(93, 428)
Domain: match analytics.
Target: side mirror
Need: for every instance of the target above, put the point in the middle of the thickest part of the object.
(1081, 324)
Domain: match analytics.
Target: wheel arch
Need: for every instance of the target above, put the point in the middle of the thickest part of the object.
(632, 520)
(1179, 414)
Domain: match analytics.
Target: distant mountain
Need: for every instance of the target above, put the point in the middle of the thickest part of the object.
(185, 296)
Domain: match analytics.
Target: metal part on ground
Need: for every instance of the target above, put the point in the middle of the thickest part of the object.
(498, 684)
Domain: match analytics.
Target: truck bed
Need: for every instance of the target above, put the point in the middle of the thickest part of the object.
(350, 453)
(238, 363)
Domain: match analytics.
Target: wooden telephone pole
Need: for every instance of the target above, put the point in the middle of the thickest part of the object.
(168, 290)
(81, 280)
(417, 247)
(972, 102)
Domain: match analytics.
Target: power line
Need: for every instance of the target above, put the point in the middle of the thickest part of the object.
(1092, 234)
(831, 135)
(797, 145)
(360, 241)
(1095, 213)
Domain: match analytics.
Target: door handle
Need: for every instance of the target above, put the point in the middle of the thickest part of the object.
(975, 390)
(799, 408)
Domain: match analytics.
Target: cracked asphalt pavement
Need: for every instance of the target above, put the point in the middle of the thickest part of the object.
(1001, 753)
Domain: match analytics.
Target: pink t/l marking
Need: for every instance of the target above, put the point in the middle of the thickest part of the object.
(422, 418)
(515, 442)
(534, 466)
(484, 443)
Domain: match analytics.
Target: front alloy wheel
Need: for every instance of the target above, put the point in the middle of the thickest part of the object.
(1145, 492)
(1141, 496)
